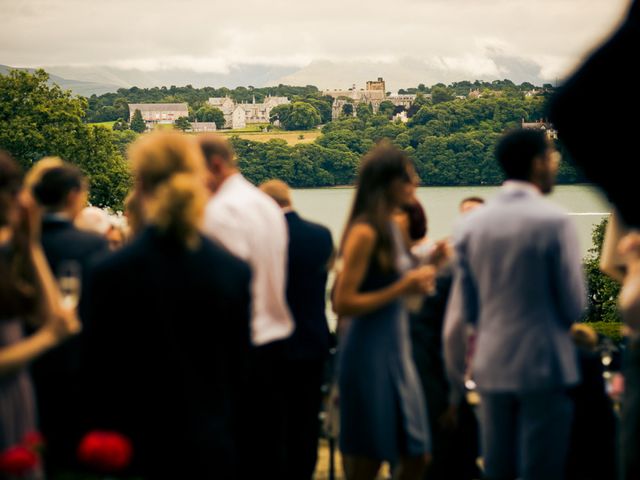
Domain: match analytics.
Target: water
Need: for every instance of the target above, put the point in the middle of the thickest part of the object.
(330, 207)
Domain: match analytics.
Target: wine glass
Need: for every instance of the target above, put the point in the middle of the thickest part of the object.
(69, 283)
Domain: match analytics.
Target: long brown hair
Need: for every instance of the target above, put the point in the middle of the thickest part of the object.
(372, 204)
(18, 288)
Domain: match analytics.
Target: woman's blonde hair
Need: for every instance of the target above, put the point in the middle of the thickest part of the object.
(169, 168)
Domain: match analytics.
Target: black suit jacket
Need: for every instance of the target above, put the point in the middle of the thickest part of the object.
(310, 250)
(56, 373)
(167, 339)
(62, 241)
(600, 131)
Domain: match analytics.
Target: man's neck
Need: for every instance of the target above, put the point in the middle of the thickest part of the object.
(226, 175)
(522, 185)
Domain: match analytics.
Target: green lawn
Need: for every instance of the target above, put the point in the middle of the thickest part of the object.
(104, 124)
(252, 128)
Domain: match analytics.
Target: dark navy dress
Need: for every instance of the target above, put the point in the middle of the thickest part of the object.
(382, 408)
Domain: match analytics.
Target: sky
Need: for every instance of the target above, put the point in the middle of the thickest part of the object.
(216, 36)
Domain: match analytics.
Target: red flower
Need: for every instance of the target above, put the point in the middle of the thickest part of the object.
(105, 451)
(34, 441)
(18, 460)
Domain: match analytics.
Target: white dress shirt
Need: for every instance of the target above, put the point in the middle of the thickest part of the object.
(252, 227)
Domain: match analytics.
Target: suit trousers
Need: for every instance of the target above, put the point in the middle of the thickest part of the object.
(303, 398)
(263, 432)
(525, 435)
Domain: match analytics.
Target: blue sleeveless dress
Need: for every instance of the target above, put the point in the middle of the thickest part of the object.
(382, 408)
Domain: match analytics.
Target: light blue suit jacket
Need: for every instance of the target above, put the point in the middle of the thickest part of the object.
(519, 279)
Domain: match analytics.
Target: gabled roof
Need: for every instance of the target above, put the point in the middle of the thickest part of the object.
(158, 107)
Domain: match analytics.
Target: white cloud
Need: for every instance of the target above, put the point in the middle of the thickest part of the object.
(215, 36)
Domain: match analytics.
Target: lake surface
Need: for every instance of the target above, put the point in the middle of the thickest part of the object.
(330, 207)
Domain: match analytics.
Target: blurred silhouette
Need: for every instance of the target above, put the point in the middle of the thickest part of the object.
(518, 278)
(28, 292)
(249, 224)
(604, 158)
(383, 413)
(168, 327)
(310, 257)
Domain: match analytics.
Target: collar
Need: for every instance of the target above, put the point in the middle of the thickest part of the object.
(521, 186)
(229, 182)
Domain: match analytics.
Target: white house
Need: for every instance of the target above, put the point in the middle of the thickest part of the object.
(239, 115)
(154, 113)
(203, 127)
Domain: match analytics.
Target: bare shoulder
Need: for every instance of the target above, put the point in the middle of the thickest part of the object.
(361, 234)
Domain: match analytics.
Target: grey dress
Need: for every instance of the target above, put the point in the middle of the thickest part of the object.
(17, 404)
(382, 408)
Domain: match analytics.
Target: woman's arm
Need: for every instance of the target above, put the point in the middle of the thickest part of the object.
(57, 323)
(611, 262)
(17, 355)
(358, 249)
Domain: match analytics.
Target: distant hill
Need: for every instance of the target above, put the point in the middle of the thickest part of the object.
(241, 75)
(76, 86)
(407, 71)
(325, 74)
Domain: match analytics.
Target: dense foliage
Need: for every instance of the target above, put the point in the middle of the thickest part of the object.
(603, 291)
(137, 122)
(111, 106)
(302, 165)
(296, 116)
(38, 120)
(451, 139)
(464, 87)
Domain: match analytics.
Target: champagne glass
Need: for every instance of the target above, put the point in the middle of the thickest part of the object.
(69, 283)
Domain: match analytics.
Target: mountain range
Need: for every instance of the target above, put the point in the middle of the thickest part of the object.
(325, 74)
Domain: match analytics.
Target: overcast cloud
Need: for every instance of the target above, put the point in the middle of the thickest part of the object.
(215, 36)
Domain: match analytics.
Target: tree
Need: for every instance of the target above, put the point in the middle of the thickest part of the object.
(603, 291)
(296, 116)
(347, 109)
(108, 171)
(207, 113)
(323, 105)
(38, 120)
(120, 125)
(441, 94)
(137, 123)
(417, 104)
(280, 114)
(182, 123)
(364, 110)
(386, 108)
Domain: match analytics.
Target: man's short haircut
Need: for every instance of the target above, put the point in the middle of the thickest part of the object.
(278, 190)
(216, 145)
(56, 183)
(517, 149)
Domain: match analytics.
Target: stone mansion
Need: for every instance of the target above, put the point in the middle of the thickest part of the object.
(239, 115)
